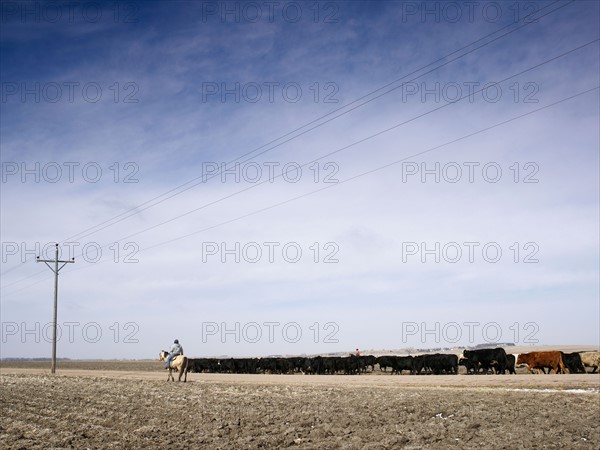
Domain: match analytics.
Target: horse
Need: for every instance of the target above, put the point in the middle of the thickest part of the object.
(179, 363)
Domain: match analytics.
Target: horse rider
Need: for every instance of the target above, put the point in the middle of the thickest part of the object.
(176, 350)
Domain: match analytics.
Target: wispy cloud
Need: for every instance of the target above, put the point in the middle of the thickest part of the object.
(157, 124)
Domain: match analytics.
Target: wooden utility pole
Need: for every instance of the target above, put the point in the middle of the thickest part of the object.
(55, 269)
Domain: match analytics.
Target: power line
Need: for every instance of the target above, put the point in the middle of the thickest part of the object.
(20, 280)
(335, 151)
(360, 141)
(136, 210)
(527, 20)
(377, 169)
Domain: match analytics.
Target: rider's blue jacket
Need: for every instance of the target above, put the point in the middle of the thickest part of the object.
(176, 349)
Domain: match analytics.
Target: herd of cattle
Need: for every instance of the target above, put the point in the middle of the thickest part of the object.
(482, 361)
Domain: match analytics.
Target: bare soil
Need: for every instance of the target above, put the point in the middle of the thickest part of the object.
(83, 407)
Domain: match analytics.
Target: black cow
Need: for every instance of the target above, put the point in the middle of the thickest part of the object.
(329, 365)
(420, 363)
(400, 363)
(384, 362)
(353, 365)
(284, 365)
(397, 363)
(243, 365)
(471, 366)
(439, 363)
(194, 365)
(510, 363)
(573, 362)
(227, 365)
(296, 363)
(368, 361)
(267, 365)
(486, 359)
(201, 365)
(315, 365)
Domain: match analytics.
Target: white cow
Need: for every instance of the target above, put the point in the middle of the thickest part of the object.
(591, 359)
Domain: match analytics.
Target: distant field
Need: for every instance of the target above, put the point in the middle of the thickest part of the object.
(146, 365)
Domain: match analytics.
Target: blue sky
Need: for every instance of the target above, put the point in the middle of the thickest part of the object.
(140, 96)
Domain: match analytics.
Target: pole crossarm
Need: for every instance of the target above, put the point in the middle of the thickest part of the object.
(54, 261)
(55, 269)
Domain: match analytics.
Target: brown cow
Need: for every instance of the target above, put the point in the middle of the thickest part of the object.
(540, 360)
